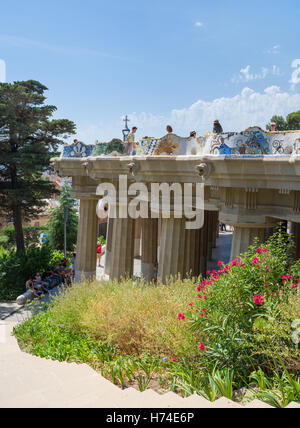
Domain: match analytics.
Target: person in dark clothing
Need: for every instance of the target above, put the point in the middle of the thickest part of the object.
(217, 127)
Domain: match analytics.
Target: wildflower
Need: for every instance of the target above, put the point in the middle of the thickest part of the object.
(221, 263)
(234, 262)
(208, 272)
(191, 305)
(165, 359)
(255, 261)
(181, 317)
(286, 277)
(260, 250)
(204, 310)
(239, 340)
(294, 285)
(202, 347)
(174, 360)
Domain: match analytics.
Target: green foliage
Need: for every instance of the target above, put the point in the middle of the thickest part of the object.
(17, 267)
(101, 240)
(55, 226)
(31, 236)
(28, 140)
(291, 123)
(115, 145)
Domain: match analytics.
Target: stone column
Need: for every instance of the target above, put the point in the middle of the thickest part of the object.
(215, 228)
(87, 240)
(204, 234)
(244, 236)
(192, 253)
(172, 247)
(210, 236)
(109, 242)
(149, 248)
(137, 237)
(122, 254)
(296, 232)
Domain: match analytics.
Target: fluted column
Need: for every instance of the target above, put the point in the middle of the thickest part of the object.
(192, 252)
(87, 240)
(122, 254)
(137, 237)
(244, 236)
(296, 232)
(172, 246)
(149, 248)
(109, 242)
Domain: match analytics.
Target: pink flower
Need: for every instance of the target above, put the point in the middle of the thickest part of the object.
(234, 262)
(202, 347)
(260, 250)
(221, 263)
(181, 317)
(255, 261)
(294, 285)
(259, 300)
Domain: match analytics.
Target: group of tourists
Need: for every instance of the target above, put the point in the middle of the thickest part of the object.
(130, 145)
(62, 274)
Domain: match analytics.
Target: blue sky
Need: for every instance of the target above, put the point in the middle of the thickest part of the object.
(183, 62)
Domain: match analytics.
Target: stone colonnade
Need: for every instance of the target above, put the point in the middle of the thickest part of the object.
(165, 246)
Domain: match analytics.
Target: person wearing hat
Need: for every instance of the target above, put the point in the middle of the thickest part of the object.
(130, 144)
(217, 127)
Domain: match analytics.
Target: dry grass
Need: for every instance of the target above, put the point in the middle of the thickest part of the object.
(135, 317)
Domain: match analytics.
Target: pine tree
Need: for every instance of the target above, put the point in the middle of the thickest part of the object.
(55, 225)
(28, 139)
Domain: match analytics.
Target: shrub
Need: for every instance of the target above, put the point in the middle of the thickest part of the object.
(31, 236)
(244, 312)
(16, 268)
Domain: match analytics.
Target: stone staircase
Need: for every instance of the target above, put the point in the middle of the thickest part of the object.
(30, 382)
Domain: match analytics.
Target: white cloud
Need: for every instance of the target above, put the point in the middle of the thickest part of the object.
(236, 113)
(275, 50)
(199, 24)
(247, 76)
(295, 79)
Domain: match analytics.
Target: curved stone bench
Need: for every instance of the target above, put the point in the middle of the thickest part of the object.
(24, 298)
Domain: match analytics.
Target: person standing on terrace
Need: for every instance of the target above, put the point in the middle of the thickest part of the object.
(217, 127)
(130, 144)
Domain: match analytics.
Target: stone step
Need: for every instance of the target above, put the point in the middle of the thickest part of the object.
(225, 403)
(197, 402)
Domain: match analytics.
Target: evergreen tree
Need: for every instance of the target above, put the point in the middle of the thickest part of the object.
(28, 139)
(291, 123)
(55, 225)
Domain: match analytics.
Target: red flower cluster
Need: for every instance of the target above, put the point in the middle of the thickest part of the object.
(181, 317)
(259, 300)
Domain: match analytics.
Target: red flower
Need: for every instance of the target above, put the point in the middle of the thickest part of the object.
(202, 347)
(255, 261)
(181, 317)
(259, 300)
